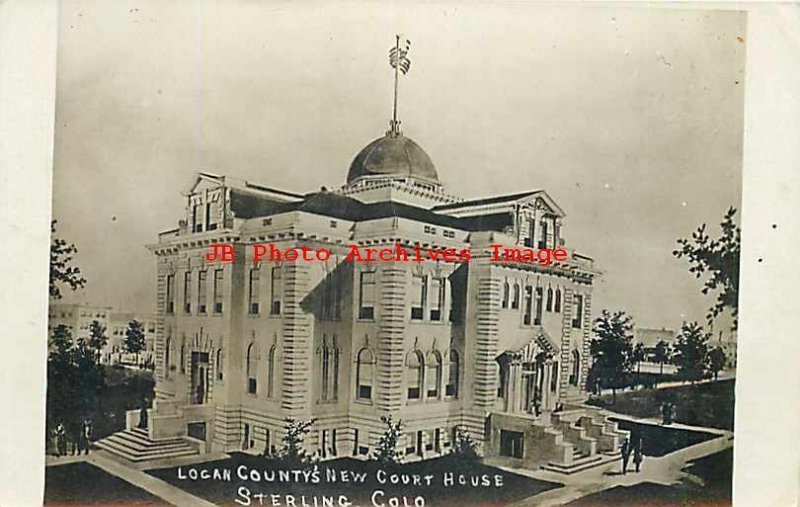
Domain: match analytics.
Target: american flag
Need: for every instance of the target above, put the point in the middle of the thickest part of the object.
(398, 58)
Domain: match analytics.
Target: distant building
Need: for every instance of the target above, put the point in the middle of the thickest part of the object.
(649, 337)
(77, 317)
(724, 336)
(115, 351)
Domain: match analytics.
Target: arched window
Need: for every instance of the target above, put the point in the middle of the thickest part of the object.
(324, 370)
(451, 389)
(167, 357)
(557, 307)
(329, 370)
(515, 298)
(506, 293)
(271, 372)
(414, 374)
(575, 374)
(434, 377)
(219, 363)
(334, 382)
(252, 382)
(365, 363)
(549, 306)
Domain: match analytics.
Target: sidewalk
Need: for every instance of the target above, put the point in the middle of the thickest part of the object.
(724, 375)
(170, 494)
(666, 470)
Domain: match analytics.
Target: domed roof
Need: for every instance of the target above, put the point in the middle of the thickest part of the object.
(392, 154)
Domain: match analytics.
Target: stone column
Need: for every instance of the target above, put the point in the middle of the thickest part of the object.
(391, 317)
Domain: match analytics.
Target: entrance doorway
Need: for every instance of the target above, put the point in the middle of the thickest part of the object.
(199, 378)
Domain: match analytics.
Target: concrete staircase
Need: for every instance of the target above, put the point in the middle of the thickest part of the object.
(134, 445)
(580, 462)
(595, 440)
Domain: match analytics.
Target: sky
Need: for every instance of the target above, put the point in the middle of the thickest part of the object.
(631, 118)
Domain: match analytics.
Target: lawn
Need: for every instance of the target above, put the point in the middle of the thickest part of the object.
(716, 470)
(125, 390)
(710, 404)
(660, 440)
(514, 487)
(78, 484)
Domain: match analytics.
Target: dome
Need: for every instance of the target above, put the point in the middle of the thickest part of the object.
(393, 154)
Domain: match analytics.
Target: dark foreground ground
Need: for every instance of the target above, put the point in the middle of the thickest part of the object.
(713, 490)
(80, 484)
(514, 487)
(660, 440)
(710, 404)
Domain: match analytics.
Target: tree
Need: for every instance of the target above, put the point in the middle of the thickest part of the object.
(134, 338)
(292, 452)
(464, 447)
(97, 339)
(75, 379)
(661, 355)
(612, 349)
(637, 356)
(690, 351)
(719, 258)
(61, 377)
(386, 451)
(61, 272)
(715, 361)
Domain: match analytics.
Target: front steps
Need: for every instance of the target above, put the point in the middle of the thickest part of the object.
(134, 445)
(580, 462)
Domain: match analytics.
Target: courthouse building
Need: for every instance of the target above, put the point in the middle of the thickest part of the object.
(500, 349)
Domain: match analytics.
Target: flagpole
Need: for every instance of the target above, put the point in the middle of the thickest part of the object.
(396, 130)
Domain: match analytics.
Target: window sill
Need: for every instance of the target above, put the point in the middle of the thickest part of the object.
(362, 401)
(366, 321)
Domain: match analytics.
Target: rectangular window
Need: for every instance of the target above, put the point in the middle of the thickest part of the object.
(276, 289)
(218, 291)
(539, 293)
(196, 223)
(187, 292)
(526, 319)
(331, 308)
(170, 293)
(251, 386)
(201, 291)
(252, 291)
(543, 238)
(208, 216)
(437, 302)
(411, 441)
(511, 444)
(531, 235)
(366, 295)
(419, 293)
(577, 309)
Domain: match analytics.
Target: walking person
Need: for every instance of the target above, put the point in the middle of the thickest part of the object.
(143, 416)
(626, 455)
(638, 456)
(85, 436)
(61, 440)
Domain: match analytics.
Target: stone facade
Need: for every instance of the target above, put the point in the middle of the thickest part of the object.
(242, 345)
